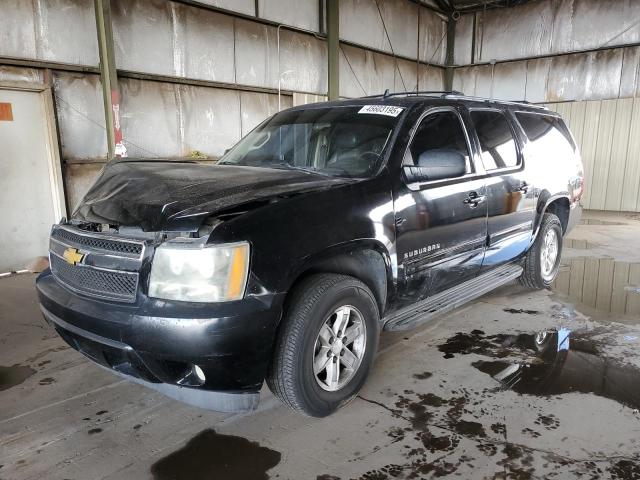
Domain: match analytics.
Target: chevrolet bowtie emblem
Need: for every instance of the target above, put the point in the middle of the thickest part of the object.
(73, 256)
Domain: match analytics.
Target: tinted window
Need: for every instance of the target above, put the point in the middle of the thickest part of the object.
(546, 129)
(335, 141)
(496, 140)
(441, 134)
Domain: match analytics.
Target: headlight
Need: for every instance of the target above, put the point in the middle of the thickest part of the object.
(204, 274)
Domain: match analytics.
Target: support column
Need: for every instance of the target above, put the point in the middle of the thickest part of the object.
(333, 48)
(109, 79)
(451, 41)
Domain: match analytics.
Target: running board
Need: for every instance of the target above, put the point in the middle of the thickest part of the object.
(425, 310)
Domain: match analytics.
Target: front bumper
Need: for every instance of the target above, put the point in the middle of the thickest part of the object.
(158, 343)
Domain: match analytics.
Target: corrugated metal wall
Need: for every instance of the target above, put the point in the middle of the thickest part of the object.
(181, 66)
(583, 52)
(608, 134)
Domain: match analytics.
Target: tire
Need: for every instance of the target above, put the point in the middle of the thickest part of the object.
(539, 274)
(317, 300)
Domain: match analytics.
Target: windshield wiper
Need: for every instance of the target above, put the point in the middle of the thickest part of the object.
(288, 166)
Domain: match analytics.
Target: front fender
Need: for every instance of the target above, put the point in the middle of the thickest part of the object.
(365, 259)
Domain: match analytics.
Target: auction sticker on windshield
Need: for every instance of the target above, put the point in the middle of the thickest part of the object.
(382, 110)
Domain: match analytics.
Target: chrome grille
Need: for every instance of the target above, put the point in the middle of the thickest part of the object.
(107, 266)
(96, 242)
(102, 283)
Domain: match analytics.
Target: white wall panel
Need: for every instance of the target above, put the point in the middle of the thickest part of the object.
(53, 30)
(548, 27)
(303, 62)
(255, 107)
(596, 75)
(246, 7)
(20, 74)
(433, 37)
(431, 78)
(205, 45)
(150, 119)
(80, 111)
(256, 54)
(143, 35)
(298, 13)
(608, 135)
(78, 179)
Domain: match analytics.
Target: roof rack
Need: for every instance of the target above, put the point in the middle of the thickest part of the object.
(455, 93)
(442, 93)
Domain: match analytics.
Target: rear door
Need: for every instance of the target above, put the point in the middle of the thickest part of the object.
(440, 225)
(510, 193)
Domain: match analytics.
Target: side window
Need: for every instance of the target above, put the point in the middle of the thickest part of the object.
(440, 138)
(496, 140)
(542, 129)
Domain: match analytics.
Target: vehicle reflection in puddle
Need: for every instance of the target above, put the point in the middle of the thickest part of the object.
(565, 365)
(602, 284)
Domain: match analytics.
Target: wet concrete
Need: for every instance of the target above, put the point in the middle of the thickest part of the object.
(472, 395)
(14, 375)
(211, 455)
(574, 366)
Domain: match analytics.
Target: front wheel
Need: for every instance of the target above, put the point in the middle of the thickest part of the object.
(326, 344)
(542, 262)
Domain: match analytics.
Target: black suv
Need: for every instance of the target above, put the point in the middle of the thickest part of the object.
(323, 226)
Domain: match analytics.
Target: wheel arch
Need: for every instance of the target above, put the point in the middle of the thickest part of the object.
(367, 260)
(559, 205)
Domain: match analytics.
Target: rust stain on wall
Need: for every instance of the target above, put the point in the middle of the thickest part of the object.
(6, 113)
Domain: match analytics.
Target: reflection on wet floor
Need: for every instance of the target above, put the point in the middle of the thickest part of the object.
(565, 365)
(604, 284)
(14, 375)
(578, 244)
(596, 221)
(211, 455)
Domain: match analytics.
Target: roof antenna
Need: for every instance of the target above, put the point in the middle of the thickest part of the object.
(386, 93)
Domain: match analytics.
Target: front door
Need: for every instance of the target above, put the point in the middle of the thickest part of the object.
(510, 195)
(440, 224)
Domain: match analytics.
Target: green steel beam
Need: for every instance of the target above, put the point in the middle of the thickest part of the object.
(449, 62)
(333, 48)
(108, 75)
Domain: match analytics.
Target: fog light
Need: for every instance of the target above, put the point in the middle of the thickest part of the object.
(199, 373)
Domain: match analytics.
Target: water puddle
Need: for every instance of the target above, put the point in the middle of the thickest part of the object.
(578, 244)
(563, 364)
(603, 285)
(595, 221)
(211, 455)
(14, 375)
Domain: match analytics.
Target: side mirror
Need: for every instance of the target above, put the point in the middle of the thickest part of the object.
(438, 164)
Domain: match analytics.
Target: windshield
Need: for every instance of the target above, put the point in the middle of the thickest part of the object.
(335, 141)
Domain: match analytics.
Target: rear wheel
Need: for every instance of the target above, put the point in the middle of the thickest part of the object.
(326, 344)
(542, 262)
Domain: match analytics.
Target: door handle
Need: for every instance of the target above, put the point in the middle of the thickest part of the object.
(473, 200)
(523, 188)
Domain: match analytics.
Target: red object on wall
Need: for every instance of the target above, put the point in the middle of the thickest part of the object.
(6, 113)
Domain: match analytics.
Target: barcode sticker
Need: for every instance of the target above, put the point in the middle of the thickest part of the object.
(388, 110)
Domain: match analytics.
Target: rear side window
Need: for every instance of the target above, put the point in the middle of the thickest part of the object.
(546, 130)
(496, 140)
(439, 132)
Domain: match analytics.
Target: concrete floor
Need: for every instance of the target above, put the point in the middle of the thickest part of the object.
(433, 407)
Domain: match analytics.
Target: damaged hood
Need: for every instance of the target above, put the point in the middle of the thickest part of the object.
(178, 196)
